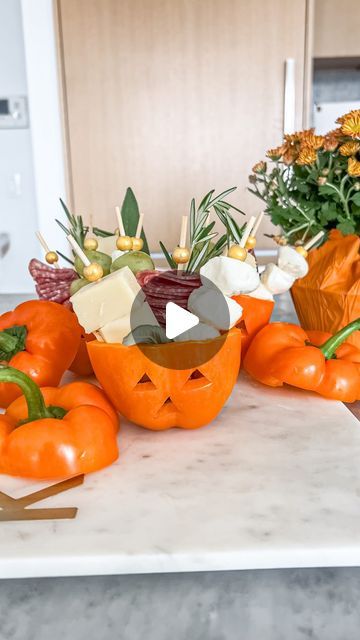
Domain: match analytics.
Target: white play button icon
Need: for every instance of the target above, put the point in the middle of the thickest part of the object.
(178, 320)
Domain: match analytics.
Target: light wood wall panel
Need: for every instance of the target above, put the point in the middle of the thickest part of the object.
(174, 97)
(337, 28)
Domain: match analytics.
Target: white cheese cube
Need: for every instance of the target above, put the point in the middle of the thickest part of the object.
(276, 280)
(200, 332)
(230, 276)
(116, 330)
(107, 245)
(291, 261)
(106, 300)
(214, 309)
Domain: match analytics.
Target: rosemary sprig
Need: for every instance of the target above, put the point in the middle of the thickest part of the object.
(76, 226)
(202, 231)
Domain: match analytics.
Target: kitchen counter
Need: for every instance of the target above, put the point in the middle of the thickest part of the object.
(272, 483)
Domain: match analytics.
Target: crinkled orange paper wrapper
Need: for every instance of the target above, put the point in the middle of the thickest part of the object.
(328, 298)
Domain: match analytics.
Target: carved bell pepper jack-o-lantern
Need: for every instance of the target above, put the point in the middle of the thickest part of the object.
(157, 397)
(256, 315)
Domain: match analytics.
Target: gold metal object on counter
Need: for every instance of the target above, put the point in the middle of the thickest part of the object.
(12, 509)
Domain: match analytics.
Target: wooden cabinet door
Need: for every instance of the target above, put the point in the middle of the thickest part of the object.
(173, 98)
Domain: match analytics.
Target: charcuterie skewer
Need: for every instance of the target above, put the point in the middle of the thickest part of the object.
(90, 243)
(51, 257)
(304, 249)
(93, 271)
(181, 253)
(124, 242)
(137, 241)
(238, 251)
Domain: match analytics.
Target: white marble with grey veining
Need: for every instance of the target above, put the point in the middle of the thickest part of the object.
(273, 482)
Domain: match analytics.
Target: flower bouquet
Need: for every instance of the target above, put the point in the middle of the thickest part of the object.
(311, 186)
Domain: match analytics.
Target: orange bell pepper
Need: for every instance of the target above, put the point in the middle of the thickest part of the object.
(284, 353)
(256, 314)
(160, 397)
(40, 338)
(56, 432)
(81, 364)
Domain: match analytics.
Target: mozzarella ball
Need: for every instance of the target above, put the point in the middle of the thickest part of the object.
(276, 280)
(230, 276)
(213, 308)
(292, 262)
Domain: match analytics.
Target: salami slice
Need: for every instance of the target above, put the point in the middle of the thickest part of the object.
(51, 283)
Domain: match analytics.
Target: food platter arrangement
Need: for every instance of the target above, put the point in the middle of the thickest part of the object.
(102, 311)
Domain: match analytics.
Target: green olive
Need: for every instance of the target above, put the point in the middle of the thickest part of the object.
(135, 260)
(94, 256)
(78, 284)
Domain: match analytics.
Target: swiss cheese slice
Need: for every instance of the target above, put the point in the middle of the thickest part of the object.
(106, 300)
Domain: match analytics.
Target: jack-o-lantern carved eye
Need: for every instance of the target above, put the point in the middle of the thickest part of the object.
(197, 380)
(145, 384)
(242, 326)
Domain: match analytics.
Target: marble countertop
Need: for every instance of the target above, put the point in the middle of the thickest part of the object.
(273, 482)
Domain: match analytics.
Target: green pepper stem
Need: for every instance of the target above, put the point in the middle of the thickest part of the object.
(33, 396)
(7, 342)
(332, 344)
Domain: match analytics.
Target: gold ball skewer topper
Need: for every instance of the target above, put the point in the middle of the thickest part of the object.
(92, 270)
(137, 241)
(181, 254)
(304, 249)
(251, 241)
(238, 251)
(123, 242)
(90, 243)
(51, 257)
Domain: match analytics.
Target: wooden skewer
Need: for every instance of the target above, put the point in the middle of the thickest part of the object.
(91, 220)
(182, 241)
(120, 222)
(45, 246)
(313, 240)
(139, 226)
(78, 250)
(247, 231)
(257, 224)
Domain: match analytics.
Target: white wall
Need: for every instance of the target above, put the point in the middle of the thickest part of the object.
(17, 212)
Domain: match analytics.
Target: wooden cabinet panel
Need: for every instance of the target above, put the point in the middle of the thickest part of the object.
(337, 28)
(174, 97)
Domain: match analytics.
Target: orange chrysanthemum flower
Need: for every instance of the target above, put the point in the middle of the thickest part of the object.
(349, 148)
(332, 139)
(276, 153)
(354, 167)
(310, 139)
(307, 155)
(350, 125)
(259, 167)
(289, 156)
(341, 119)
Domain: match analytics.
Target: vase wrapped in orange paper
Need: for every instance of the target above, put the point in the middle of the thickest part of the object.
(328, 298)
